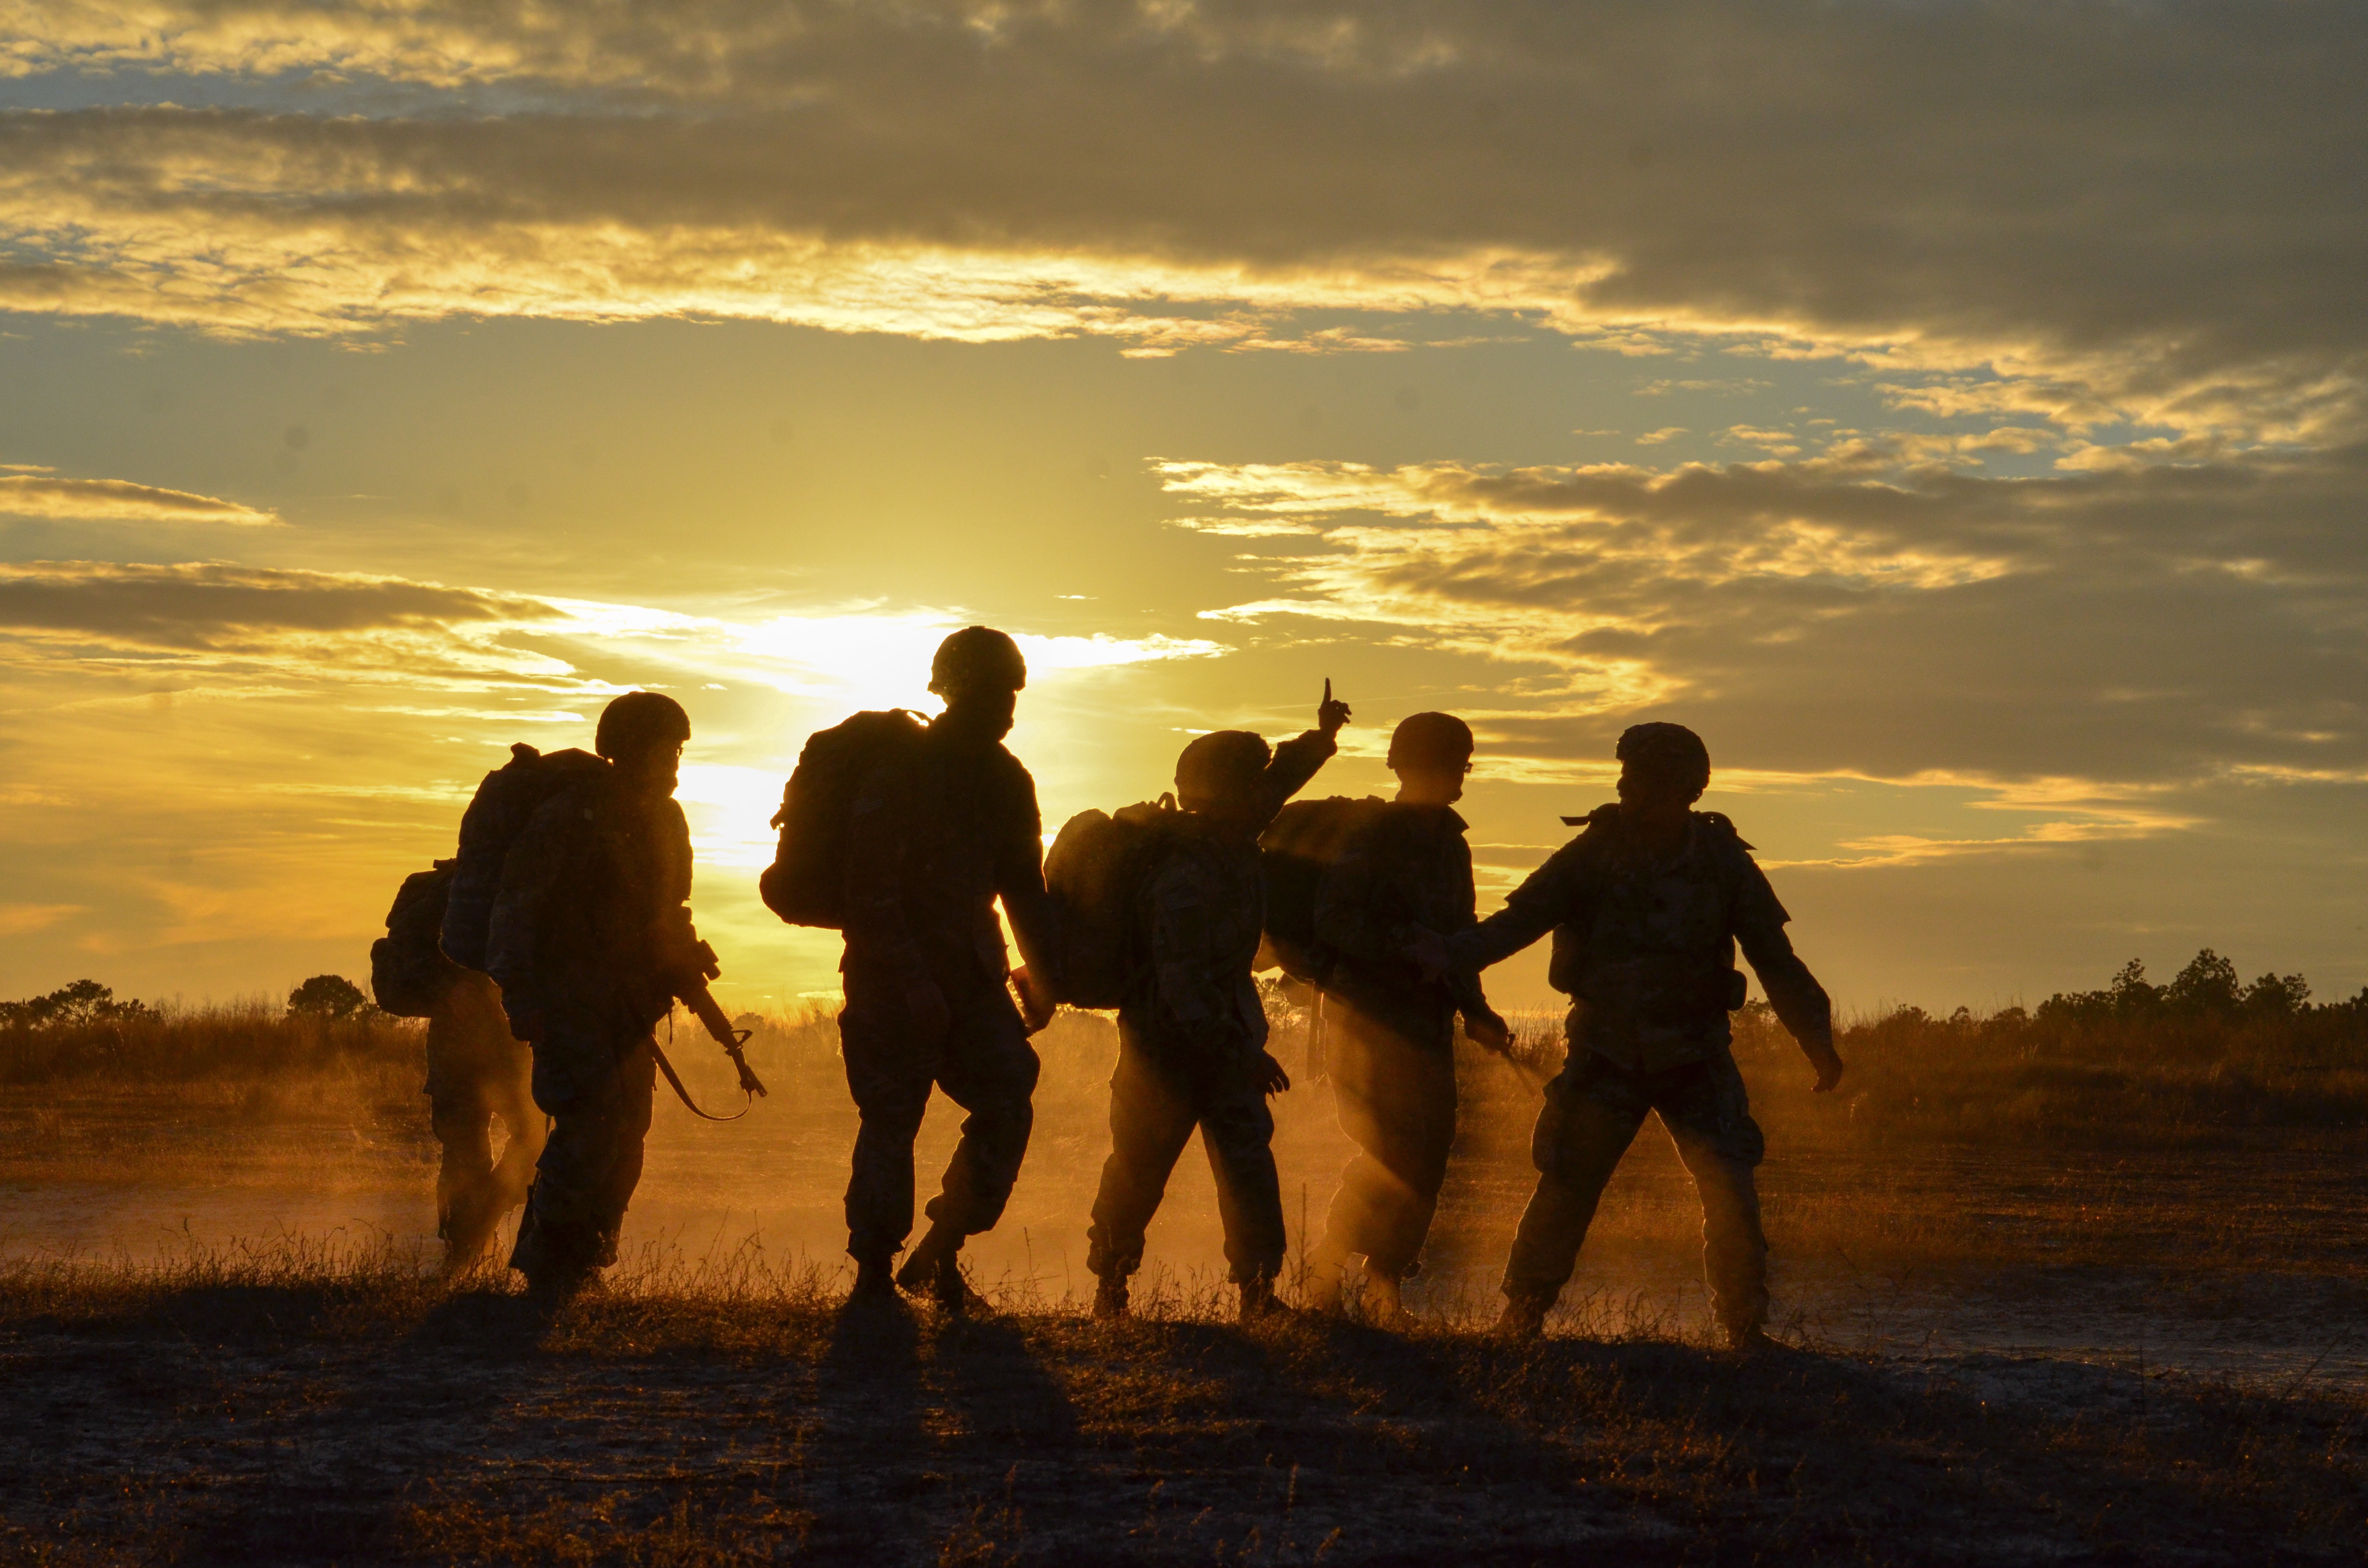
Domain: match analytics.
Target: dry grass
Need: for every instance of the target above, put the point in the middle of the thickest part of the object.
(296, 1405)
(308, 1402)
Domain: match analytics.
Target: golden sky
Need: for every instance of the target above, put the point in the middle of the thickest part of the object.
(1953, 411)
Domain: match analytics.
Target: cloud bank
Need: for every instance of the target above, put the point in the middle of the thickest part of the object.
(2056, 201)
(2134, 627)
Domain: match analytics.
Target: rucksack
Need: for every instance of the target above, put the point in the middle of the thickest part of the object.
(1094, 872)
(408, 970)
(497, 813)
(807, 884)
(1304, 841)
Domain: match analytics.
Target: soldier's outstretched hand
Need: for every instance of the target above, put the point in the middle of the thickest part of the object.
(1489, 1031)
(1330, 714)
(1271, 1079)
(1828, 1063)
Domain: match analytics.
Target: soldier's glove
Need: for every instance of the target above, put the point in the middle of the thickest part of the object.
(1828, 1063)
(1489, 1031)
(1267, 1073)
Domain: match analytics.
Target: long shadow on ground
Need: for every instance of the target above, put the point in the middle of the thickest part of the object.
(349, 1421)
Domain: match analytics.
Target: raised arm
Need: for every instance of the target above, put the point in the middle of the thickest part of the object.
(1296, 760)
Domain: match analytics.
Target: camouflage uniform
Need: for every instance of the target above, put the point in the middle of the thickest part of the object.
(939, 830)
(1645, 945)
(1392, 1046)
(591, 934)
(1190, 1033)
(476, 1071)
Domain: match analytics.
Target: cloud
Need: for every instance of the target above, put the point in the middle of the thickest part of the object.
(258, 631)
(1665, 434)
(119, 500)
(1807, 177)
(16, 919)
(1731, 385)
(2128, 627)
(1781, 442)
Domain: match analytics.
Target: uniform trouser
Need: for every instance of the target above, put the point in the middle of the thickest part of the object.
(476, 1071)
(1154, 1107)
(1395, 1099)
(985, 1064)
(1593, 1112)
(597, 1093)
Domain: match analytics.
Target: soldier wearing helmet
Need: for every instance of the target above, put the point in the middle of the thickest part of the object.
(1648, 907)
(1192, 1030)
(591, 941)
(939, 832)
(1391, 1050)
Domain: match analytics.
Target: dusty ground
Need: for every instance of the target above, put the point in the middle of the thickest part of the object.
(216, 1343)
(367, 1416)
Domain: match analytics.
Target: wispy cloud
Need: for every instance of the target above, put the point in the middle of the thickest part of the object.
(27, 494)
(2132, 625)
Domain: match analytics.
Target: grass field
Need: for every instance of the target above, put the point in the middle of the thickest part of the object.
(2011, 1340)
(299, 1408)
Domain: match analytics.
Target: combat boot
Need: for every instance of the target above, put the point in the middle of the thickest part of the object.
(1258, 1300)
(952, 1293)
(1109, 1297)
(928, 1258)
(1524, 1317)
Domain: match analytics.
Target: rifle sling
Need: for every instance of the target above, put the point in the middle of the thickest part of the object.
(683, 1095)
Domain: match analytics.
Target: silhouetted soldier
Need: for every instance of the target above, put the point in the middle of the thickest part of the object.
(1192, 1030)
(591, 941)
(1646, 908)
(1391, 1028)
(939, 830)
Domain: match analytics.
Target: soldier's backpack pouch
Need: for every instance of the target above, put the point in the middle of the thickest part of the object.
(1304, 841)
(1094, 872)
(408, 971)
(497, 813)
(807, 884)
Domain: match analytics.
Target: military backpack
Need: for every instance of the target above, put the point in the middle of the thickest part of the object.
(408, 970)
(506, 798)
(1095, 873)
(807, 884)
(1304, 841)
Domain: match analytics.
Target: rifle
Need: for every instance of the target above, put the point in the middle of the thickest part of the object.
(693, 993)
(702, 1004)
